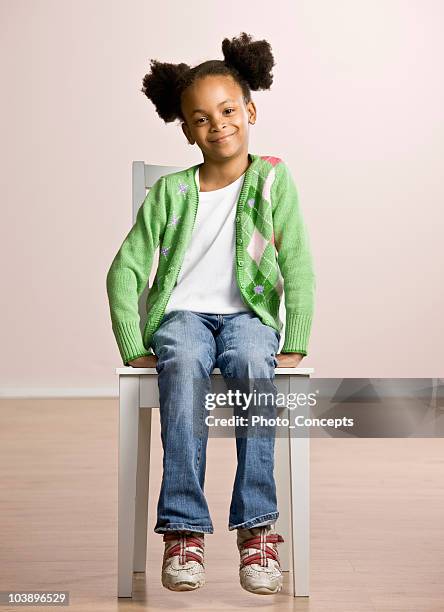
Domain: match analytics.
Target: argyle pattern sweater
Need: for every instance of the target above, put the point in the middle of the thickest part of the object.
(273, 255)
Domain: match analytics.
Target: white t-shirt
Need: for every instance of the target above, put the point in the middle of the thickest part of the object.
(207, 279)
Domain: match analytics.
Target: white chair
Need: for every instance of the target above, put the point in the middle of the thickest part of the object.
(138, 395)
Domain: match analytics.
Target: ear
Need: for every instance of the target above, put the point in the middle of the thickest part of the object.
(187, 133)
(251, 109)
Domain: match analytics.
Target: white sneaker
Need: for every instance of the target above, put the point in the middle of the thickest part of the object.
(259, 569)
(183, 561)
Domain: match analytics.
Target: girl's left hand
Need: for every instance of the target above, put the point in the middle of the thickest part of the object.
(289, 360)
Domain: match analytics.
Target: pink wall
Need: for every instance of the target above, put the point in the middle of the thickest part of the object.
(356, 110)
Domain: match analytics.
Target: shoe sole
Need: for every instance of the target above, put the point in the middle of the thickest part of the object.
(263, 590)
(183, 586)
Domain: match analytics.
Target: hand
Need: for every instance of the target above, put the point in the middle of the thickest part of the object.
(148, 361)
(289, 360)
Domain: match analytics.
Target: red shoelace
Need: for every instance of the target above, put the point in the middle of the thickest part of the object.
(261, 543)
(180, 549)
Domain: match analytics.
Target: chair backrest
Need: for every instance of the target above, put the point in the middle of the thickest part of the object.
(144, 177)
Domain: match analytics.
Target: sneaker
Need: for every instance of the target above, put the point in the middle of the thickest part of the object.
(259, 569)
(183, 561)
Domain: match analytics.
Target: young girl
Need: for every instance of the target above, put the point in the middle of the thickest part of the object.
(229, 230)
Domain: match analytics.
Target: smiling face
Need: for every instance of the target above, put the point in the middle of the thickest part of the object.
(217, 117)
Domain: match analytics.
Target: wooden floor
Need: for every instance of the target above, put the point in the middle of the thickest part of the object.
(377, 519)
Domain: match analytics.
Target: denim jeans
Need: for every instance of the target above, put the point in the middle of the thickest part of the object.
(188, 346)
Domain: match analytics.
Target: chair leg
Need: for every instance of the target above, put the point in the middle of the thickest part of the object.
(142, 489)
(300, 506)
(128, 439)
(282, 479)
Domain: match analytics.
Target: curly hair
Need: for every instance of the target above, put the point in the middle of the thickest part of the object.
(248, 62)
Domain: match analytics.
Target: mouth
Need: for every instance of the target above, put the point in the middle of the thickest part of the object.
(222, 139)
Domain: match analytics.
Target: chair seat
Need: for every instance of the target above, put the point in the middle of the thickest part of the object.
(130, 371)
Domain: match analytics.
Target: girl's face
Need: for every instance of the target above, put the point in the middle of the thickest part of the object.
(216, 117)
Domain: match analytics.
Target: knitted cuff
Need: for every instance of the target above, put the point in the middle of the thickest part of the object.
(129, 340)
(297, 333)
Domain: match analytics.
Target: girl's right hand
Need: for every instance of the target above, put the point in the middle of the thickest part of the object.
(148, 361)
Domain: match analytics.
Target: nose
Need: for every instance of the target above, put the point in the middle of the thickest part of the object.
(217, 124)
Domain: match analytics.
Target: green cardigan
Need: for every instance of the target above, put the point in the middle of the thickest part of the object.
(272, 255)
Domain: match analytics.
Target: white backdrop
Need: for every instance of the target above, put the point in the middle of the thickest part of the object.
(356, 110)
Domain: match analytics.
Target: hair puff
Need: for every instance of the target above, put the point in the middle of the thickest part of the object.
(162, 87)
(252, 59)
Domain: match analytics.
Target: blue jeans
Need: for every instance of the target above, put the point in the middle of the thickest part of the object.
(188, 346)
